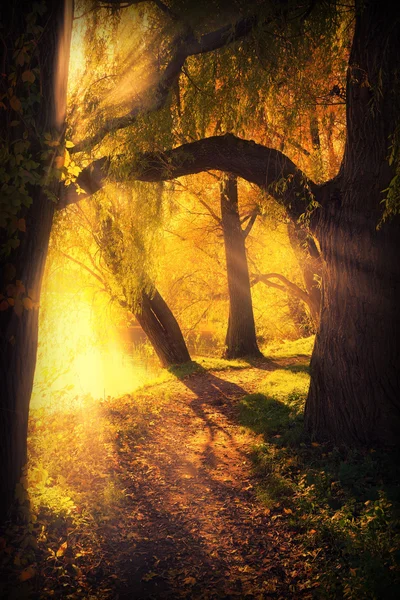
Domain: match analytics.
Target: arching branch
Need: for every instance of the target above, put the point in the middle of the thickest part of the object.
(267, 168)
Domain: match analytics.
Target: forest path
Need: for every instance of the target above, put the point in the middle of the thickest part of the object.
(193, 526)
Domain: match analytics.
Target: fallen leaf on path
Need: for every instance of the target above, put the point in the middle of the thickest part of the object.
(149, 576)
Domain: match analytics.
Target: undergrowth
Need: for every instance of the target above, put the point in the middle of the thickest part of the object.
(53, 547)
(344, 505)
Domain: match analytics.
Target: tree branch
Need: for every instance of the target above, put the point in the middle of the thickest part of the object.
(252, 219)
(86, 268)
(269, 169)
(289, 285)
(183, 46)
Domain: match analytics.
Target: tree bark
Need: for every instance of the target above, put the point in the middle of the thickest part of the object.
(22, 271)
(355, 368)
(241, 335)
(162, 329)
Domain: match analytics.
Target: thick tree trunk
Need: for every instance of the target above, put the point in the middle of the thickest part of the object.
(241, 335)
(355, 368)
(21, 272)
(162, 329)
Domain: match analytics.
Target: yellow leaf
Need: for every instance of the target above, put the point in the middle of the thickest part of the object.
(312, 532)
(288, 511)
(59, 162)
(353, 572)
(15, 103)
(315, 444)
(27, 303)
(69, 144)
(20, 58)
(62, 549)
(27, 573)
(189, 581)
(67, 158)
(28, 76)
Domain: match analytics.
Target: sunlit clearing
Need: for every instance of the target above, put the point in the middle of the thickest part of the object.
(81, 352)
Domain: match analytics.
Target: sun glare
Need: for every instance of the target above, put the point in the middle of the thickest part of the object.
(74, 360)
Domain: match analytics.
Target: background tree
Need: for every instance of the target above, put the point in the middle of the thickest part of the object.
(241, 335)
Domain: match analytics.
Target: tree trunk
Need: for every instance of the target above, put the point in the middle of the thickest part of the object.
(22, 271)
(153, 314)
(241, 335)
(162, 329)
(355, 367)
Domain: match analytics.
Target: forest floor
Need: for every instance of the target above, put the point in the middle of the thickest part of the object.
(202, 486)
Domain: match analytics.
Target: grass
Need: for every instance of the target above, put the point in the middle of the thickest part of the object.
(290, 349)
(344, 505)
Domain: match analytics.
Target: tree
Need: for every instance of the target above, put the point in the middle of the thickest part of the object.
(150, 309)
(33, 88)
(354, 391)
(241, 335)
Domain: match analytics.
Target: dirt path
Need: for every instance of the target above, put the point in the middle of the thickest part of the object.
(194, 527)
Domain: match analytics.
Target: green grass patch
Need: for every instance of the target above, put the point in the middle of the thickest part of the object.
(290, 349)
(343, 505)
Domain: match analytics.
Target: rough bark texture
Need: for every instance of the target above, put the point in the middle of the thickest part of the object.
(355, 374)
(162, 329)
(19, 330)
(241, 335)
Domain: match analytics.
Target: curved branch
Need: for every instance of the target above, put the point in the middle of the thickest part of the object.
(270, 169)
(288, 285)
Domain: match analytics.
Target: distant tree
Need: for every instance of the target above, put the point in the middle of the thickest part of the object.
(149, 307)
(241, 335)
